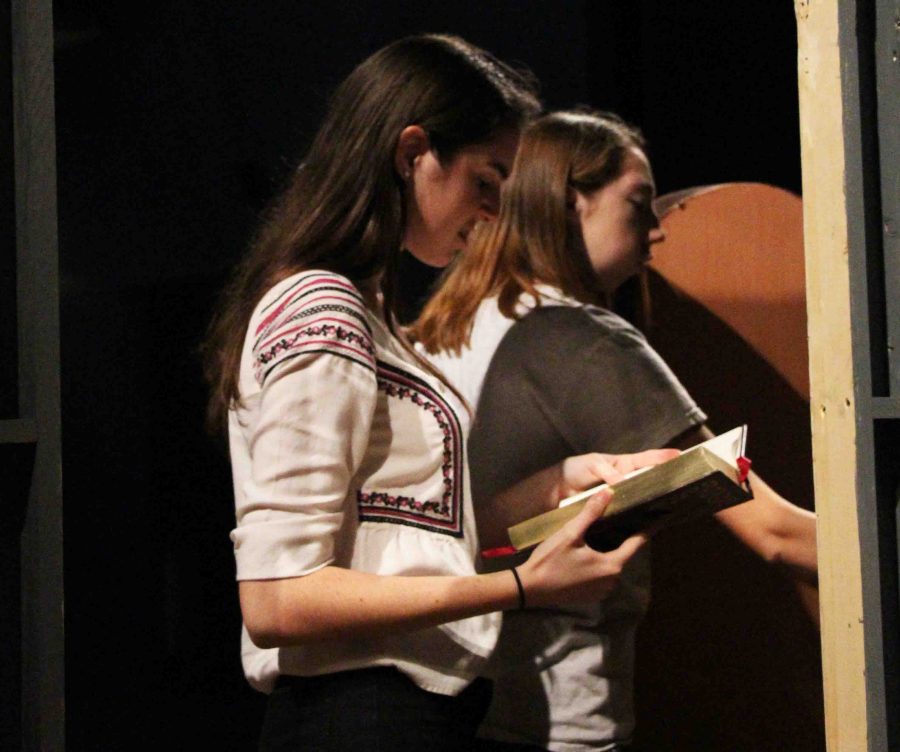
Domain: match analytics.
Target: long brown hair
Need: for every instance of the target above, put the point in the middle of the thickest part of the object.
(531, 241)
(343, 210)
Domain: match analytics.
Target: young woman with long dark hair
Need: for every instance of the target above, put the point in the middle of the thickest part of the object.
(355, 540)
(520, 327)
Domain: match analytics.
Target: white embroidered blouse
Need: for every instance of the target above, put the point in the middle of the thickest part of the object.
(344, 452)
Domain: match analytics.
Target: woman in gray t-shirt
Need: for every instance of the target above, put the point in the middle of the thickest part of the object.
(520, 328)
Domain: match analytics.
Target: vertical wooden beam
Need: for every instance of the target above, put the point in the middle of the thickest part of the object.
(43, 693)
(833, 400)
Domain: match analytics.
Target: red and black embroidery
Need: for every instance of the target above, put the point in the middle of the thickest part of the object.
(443, 515)
(320, 312)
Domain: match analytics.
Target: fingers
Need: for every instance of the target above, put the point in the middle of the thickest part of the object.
(630, 546)
(626, 463)
(586, 470)
(594, 509)
(564, 569)
(606, 470)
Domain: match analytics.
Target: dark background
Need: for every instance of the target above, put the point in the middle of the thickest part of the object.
(176, 122)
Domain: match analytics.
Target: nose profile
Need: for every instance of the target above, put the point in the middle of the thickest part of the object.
(656, 235)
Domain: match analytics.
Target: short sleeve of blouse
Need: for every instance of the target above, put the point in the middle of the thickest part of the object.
(302, 436)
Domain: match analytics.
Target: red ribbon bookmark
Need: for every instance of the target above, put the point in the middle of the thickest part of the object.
(744, 465)
(493, 553)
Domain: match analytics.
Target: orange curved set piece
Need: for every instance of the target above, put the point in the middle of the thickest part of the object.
(738, 249)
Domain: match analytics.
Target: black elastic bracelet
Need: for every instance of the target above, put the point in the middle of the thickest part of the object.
(519, 586)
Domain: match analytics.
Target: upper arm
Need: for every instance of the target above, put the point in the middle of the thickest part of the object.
(514, 434)
(623, 397)
(569, 381)
(307, 426)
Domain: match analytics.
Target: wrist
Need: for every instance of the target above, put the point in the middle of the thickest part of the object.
(536, 590)
(520, 589)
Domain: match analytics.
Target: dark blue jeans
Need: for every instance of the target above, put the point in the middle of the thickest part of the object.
(374, 709)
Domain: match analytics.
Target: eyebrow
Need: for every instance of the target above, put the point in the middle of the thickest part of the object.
(643, 187)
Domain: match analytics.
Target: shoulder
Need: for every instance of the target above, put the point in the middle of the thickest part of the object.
(558, 345)
(305, 292)
(566, 326)
(615, 327)
(310, 312)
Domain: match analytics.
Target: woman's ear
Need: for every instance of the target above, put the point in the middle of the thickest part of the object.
(574, 201)
(412, 144)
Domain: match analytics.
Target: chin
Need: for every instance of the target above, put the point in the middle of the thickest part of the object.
(441, 260)
(437, 259)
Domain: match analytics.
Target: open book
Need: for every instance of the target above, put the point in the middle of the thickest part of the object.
(700, 481)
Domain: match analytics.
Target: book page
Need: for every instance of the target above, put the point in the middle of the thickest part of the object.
(727, 446)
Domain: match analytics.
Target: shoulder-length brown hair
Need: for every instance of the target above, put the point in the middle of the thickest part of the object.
(343, 210)
(531, 242)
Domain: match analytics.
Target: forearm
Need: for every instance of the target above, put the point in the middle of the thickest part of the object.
(538, 493)
(780, 532)
(337, 603)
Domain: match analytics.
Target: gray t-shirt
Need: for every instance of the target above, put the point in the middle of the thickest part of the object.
(568, 379)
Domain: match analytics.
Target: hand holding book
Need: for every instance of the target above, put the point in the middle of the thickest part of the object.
(700, 481)
(563, 570)
(585, 471)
